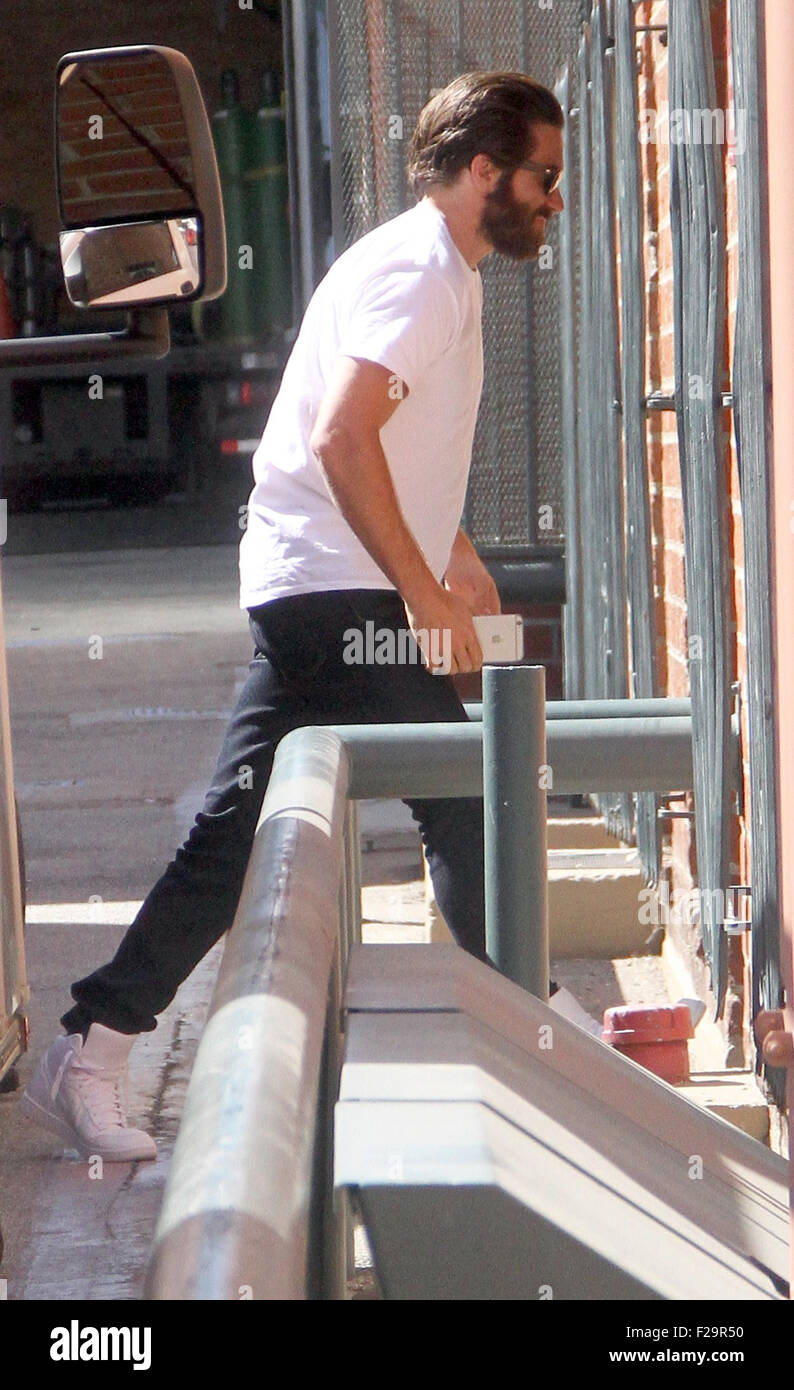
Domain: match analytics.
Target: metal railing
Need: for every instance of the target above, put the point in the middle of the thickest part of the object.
(573, 617)
(697, 223)
(248, 1209)
(596, 630)
(639, 567)
(752, 418)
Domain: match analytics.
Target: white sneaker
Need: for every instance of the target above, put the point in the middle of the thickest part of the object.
(567, 1006)
(79, 1092)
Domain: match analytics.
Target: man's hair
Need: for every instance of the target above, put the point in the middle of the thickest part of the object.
(490, 113)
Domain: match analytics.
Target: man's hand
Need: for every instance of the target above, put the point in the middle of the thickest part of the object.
(467, 578)
(444, 631)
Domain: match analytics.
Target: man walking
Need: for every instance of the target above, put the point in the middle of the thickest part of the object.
(360, 481)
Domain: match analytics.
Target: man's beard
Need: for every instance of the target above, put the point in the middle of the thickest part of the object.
(511, 228)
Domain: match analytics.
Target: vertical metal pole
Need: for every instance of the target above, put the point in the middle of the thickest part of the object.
(326, 1276)
(303, 107)
(345, 896)
(350, 887)
(397, 190)
(349, 935)
(515, 777)
(355, 859)
(335, 1234)
(460, 61)
(335, 94)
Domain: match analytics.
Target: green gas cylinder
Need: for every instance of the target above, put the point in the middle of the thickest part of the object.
(268, 190)
(235, 320)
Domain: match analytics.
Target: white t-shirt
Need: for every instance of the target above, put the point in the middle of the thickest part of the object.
(403, 296)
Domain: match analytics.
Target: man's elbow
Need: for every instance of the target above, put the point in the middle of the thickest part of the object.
(335, 446)
(332, 449)
(321, 441)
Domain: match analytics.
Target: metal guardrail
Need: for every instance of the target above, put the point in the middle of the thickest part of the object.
(424, 760)
(664, 707)
(240, 1216)
(248, 1209)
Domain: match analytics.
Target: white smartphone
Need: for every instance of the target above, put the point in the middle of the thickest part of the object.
(501, 637)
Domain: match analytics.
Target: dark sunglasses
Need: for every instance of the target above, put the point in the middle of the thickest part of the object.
(551, 174)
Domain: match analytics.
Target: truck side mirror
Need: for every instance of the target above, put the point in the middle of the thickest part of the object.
(138, 187)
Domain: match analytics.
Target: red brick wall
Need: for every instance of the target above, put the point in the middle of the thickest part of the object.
(103, 165)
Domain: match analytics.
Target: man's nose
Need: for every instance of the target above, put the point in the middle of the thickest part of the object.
(556, 201)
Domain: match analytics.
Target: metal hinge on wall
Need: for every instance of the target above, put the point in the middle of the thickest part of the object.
(732, 923)
(657, 400)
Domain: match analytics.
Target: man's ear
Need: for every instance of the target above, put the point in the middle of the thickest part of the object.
(484, 173)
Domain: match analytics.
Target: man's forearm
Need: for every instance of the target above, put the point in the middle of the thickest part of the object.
(461, 544)
(360, 483)
(467, 576)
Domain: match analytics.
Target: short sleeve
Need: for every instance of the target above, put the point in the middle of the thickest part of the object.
(404, 320)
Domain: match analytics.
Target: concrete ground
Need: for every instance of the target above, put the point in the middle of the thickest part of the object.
(114, 744)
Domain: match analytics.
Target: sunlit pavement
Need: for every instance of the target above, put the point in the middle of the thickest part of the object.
(122, 669)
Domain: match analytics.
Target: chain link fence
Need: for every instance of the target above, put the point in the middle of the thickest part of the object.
(388, 58)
